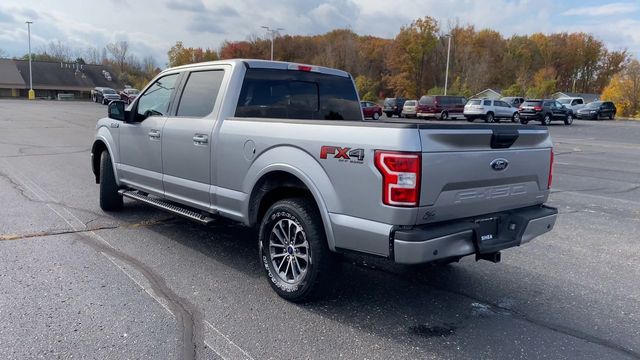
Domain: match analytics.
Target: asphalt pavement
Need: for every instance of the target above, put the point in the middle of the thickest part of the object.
(76, 282)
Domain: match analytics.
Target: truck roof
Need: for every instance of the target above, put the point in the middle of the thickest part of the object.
(267, 64)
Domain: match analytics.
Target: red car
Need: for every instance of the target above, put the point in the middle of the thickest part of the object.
(128, 95)
(371, 110)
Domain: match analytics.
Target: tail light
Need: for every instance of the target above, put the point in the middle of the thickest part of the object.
(400, 177)
(550, 170)
(538, 108)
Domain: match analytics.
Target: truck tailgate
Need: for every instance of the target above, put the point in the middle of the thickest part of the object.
(476, 170)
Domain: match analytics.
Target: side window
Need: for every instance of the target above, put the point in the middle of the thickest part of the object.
(486, 102)
(155, 101)
(200, 93)
(557, 105)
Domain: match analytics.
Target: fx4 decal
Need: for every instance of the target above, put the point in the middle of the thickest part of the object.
(343, 154)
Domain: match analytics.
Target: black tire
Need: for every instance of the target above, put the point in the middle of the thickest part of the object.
(612, 116)
(546, 120)
(489, 118)
(523, 121)
(568, 120)
(110, 200)
(516, 117)
(444, 115)
(376, 116)
(389, 115)
(300, 213)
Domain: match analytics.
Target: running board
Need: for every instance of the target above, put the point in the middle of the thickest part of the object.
(189, 214)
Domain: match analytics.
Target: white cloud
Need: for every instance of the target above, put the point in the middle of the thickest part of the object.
(603, 10)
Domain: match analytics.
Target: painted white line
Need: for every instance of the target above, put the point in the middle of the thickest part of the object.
(219, 338)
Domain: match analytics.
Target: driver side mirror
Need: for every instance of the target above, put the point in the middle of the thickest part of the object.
(116, 110)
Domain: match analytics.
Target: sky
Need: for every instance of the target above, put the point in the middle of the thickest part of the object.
(152, 27)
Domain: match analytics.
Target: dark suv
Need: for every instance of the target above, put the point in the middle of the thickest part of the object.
(393, 106)
(544, 110)
(441, 106)
(596, 110)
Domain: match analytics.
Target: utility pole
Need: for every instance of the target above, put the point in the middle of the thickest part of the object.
(446, 74)
(32, 94)
(272, 32)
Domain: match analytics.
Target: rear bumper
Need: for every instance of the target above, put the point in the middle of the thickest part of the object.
(426, 243)
(531, 116)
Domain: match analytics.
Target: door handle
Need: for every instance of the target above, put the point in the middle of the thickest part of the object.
(200, 139)
(154, 134)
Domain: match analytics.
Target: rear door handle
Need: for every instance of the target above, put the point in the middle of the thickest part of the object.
(200, 139)
(154, 134)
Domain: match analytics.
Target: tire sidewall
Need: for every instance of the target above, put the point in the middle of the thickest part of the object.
(546, 120)
(376, 116)
(279, 211)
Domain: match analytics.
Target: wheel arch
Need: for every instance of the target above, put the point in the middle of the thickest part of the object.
(102, 143)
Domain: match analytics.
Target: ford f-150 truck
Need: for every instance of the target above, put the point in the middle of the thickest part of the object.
(284, 148)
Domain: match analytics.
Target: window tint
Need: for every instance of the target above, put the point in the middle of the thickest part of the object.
(200, 93)
(532, 103)
(487, 102)
(426, 100)
(155, 101)
(474, 102)
(291, 94)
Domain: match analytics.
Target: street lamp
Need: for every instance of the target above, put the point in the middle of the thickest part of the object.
(446, 74)
(32, 94)
(273, 35)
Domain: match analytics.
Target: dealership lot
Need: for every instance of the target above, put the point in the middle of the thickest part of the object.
(76, 282)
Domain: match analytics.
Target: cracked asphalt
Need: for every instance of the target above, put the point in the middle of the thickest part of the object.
(141, 284)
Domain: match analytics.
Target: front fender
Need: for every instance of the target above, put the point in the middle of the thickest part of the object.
(306, 168)
(105, 138)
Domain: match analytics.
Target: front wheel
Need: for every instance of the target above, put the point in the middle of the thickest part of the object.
(546, 120)
(376, 116)
(568, 120)
(444, 115)
(110, 200)
(294, 250)
(489, 118)
(515, 118)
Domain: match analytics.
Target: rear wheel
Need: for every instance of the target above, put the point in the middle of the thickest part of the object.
(516, 117)
(489, 118)
(546, 120)
(110, 200)
(376, 116)
(389, 115)
(611, 116)
(568, 120)
(470, 119)
(523, 121)
(294, 250)
(444, 115)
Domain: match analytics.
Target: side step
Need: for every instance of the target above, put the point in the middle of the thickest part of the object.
(189, 214)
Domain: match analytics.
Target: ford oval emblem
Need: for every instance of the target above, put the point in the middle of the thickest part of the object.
(499, 164)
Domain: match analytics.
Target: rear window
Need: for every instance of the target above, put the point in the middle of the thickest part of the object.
(108, 91)
(532, 103)
(426, 100)
(410, 103)
(390, 101)
(474, 102)
(286, 94)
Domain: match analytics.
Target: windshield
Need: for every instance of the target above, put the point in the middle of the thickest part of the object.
(564, 101)
(594, 105)
(410, 103)
(108, 91)
(532, 103)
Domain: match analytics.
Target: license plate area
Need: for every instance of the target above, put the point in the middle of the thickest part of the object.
(487, 230)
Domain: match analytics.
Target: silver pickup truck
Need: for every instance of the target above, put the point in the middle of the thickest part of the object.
(283, 148)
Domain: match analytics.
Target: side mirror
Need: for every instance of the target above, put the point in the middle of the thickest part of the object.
(116, 111)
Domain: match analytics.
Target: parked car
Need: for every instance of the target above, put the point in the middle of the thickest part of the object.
(441, 106)
(105, 95)
(545, 111)
(513, 100)
(287, 164)
(410, 108)
(490, 110)
(393, 106)
(575, 103)
(128, 95)
(371, 110)
(596, 110)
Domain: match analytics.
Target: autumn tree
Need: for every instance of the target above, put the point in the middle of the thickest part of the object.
(181, 55)
(624, 90)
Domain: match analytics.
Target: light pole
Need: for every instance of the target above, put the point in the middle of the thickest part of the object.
(32, 94)
(273, 35)
(446, 74)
